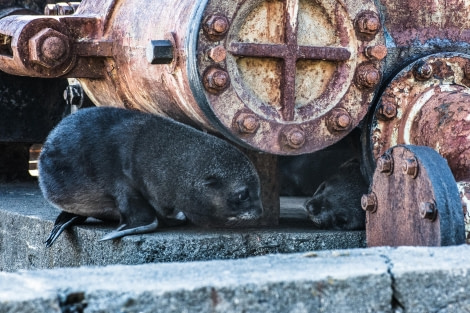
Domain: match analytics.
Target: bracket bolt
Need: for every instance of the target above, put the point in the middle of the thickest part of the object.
(340, 120)
(294, 137)
(378, 52)
(216, 26)
(428, 210)
(216, 80)
(368, 24)
(369, 202)
(367, 76)
(247, 123)
(385, 164)
(422, 71)
(410, 167)
(387, 110)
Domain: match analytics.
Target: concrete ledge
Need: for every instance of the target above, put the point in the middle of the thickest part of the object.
(360, 280)
(26, 220)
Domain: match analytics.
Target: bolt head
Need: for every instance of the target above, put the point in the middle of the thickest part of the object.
(387, 110)
(410, 167)
(428, 210)
(385, 164)
(49, 48)
(369, 202)
(247, 123)
(294, 137)
(340, 120)
(218, 54)
(368, 24)
(423, 71)
(216, 80)
(378, 52)
(367, 76)
(216, 26)
(159, 52)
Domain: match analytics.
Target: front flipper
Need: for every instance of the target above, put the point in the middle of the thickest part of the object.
(63, 221)
(137, 216)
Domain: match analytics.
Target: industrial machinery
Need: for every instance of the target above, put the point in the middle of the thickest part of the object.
(280, 77)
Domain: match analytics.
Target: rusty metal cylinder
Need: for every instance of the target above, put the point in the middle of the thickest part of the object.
(269, 75)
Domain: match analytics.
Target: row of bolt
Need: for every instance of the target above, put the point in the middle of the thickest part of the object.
(385, 165)
(61, 8)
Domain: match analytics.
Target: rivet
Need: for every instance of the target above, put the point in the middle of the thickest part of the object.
(369, 202)
(385, 164)
(422, 70)
(428, 210)
(410, 167)
(247, 123)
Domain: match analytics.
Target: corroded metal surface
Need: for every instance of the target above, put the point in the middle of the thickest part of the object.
(413, 200)
(426, 104)
(301, 73)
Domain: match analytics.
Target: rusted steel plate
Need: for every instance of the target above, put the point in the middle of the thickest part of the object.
(413, 200)
(299, 69)
(427, 103)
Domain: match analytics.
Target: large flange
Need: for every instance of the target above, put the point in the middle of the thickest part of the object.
(413, 200)
(302, 73)
(427, 103)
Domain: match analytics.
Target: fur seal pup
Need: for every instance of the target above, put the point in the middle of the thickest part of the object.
(141, 170)
(336, 204)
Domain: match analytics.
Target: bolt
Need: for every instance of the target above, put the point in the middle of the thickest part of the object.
(410, 167)
(294, 137)
(218, 54)
(385, 164)
(216, 25)
(51, 9)
(49, 48)
(159, 52)
(368, 23)
(428, 210)
(247, 123)
(422, 71)
(387, 110)
(64, 8)
(339, 120)
(216, 80)
(376, 52)
(367, 76)
(369, 202)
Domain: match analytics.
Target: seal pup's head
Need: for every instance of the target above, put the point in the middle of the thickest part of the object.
(336, 204)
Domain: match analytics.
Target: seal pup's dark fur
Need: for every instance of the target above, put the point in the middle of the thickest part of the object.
(142, 169)
(336, 204)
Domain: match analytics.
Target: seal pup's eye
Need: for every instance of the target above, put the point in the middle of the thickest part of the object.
(243, 195)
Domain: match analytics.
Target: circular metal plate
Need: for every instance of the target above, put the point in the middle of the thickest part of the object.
(427, 103)
(416, 200)
(288, 77)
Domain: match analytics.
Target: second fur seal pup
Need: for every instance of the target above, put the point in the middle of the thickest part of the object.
(143, 169)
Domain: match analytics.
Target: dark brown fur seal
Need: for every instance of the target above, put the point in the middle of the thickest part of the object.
(142, 169)
(336, 204)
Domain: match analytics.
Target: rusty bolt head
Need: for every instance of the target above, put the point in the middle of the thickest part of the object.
(247, 123)
(428, 210)
(368, 23)
(49, 48)
(367, 76)
(159, 52)
(369, 202)
(216, 80)
(340, 120)
(51, 9)
(410, 167)
(216, 25)
(422, 71)
(294, 137)
(376, 52)
(218, 54)
(385, 164)
(387, 110)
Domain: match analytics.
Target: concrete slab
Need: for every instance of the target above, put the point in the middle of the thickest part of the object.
(26, 220)
(337, 281)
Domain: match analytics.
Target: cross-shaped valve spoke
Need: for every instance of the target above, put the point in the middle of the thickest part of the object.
(289, 52)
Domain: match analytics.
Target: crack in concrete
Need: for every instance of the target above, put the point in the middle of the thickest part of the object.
(396, 305)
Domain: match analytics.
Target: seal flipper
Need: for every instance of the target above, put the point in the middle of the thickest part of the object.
(136, 213)
(63, 221)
